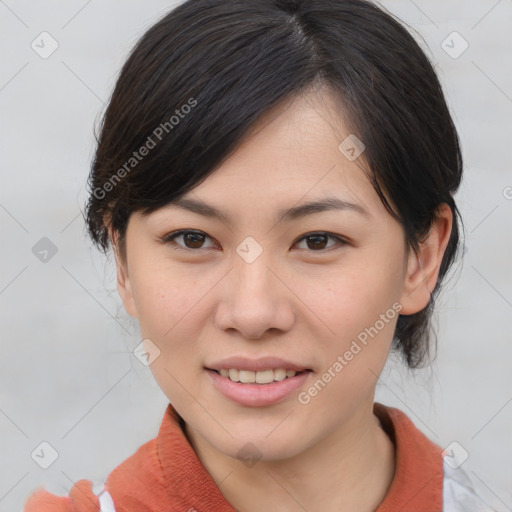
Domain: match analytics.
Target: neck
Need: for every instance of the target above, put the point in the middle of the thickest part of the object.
(350, 470)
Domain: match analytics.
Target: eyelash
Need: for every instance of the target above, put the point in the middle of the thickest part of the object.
(168, 239)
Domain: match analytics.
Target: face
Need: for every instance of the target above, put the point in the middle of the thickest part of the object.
(317, 292)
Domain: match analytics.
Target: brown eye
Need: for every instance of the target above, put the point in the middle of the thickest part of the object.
(191, 240)
(317, 242)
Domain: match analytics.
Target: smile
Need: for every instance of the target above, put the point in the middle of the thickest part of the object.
(258, 377)
(258, 388)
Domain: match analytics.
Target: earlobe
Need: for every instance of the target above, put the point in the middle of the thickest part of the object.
(423, 265)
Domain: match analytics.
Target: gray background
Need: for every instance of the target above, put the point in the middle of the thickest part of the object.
(67, 372)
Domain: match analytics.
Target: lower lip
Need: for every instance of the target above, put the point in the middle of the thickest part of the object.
(257, 395)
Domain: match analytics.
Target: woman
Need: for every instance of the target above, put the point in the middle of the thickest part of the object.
(276, 180)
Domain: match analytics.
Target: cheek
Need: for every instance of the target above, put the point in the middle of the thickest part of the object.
(359, 305)
(167, 296)
(353, 297)
(171, 314)
(362, 310)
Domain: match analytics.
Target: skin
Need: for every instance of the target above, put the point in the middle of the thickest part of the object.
(296, 301)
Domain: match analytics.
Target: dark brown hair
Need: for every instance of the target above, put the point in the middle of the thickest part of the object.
(198, 80)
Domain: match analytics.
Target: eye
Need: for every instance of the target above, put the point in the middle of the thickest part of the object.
(192, 241)
(317, 241)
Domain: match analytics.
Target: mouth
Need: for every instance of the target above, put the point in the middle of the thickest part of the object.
(258, 376)
(258, 388)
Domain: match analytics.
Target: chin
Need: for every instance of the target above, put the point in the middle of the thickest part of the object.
(257, 445)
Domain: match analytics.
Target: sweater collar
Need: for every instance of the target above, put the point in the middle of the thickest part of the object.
(417, 484)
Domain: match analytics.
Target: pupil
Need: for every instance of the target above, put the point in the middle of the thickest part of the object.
(189, 237)
(316, 238)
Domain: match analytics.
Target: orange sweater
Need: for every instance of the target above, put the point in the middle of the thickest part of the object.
(165, 475)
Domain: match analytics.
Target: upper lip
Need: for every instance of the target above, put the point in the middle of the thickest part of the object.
(262, 363)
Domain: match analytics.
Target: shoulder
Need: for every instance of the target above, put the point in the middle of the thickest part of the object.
(139, 470)
(81, 499)
(138, 482)
(423, 467)
(459, 494)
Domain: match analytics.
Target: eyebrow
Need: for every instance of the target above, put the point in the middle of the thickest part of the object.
(286, 215)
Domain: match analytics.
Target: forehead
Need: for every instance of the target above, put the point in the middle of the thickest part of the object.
(289, 159)
(293, 154)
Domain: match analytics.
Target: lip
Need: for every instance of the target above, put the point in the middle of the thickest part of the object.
(257, 395)
(262, 363)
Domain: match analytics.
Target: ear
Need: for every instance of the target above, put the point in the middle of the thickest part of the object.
(423, 265)
(124, 286)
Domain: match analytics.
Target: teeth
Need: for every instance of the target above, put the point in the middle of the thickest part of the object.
(260, 377)
(264, 377)
(247, 376)
(280, 374)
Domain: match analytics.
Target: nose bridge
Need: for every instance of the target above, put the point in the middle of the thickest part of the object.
(251, 268)
(254, 297)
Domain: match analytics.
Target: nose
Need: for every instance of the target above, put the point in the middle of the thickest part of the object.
(255, 300)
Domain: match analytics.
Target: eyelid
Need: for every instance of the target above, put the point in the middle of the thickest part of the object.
(169, 238)
(341, 241)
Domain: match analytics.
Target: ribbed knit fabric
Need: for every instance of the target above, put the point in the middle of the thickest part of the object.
(165, 475)
(418, 482)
